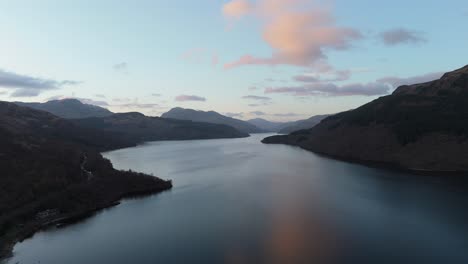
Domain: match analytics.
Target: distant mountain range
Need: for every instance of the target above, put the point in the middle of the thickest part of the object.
(419, 127)
(268, 126)
(211, 117)
(69, 108)
(302, 124)
(129, 129)
(136, 128)
(287, 127)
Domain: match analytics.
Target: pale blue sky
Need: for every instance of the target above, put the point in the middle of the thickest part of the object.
(168, 48)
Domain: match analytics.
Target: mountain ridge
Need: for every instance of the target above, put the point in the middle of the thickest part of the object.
(418, 127)
(210, 117)
(69, 108)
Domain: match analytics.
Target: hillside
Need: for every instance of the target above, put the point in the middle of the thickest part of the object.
(302, 124)
(137, 128)
(211, 117)
(69, 108)
(269, 126)
(418, 127)
(49, 163)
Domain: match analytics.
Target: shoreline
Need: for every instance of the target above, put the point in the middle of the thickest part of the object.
(376, 164)
(30, 228)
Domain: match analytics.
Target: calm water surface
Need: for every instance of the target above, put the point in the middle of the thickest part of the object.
(239, 201)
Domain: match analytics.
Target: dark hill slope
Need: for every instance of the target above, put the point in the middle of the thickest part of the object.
(136, 127)
(420, 127)
(302, 124)
(49, 163)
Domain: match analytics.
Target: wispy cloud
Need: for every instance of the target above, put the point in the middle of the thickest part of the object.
(256, 97)
(240, 115)
(397, 81)
(328, 76)
(257, 113)
(381, 86)
(183, 98)
(330, 89)
(399, 36)
(214, 60)
(100, 95)
(287, 115)
(136, 105)
(297, 31)
(121, 67)
(28, 86)
(237, 8)
(156, 94)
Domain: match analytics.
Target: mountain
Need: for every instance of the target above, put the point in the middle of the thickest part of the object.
(211, 117)
(136, 127)
(418, 127)
(69, 108)
(302, 124)
(52, 172)
(268, 126)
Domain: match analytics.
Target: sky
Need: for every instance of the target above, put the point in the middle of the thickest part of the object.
(274, 59)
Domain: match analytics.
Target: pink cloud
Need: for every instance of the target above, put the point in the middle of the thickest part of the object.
(183, 98)
(237, 8)
(214, 60)
(298, 32)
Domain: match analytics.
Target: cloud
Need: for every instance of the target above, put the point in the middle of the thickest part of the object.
(234, 114)
(381, 86)
(100, 95)
(237, 8)
(256, 97)
(298, 32)
(401, 36)
(122, 100)
(121, 67)
(396, 81)
(3, 92)
(330, 89)
(329, 76)
(287, 115)
(183, 98)
(214, 60)
(257, 113)
(27, 86)
(156, 94)
(139, 105)
(253, 88)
